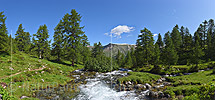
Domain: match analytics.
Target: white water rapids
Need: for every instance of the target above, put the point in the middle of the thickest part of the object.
(96, 89)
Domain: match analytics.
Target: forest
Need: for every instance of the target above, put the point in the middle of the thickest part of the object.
(177, 47)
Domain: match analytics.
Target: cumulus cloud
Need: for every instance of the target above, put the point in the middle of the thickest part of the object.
(120, 29)
(155, 35)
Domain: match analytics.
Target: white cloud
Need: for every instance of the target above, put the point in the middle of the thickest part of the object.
(106, 34)
(129, 35)
(155, 35)
(120, 29)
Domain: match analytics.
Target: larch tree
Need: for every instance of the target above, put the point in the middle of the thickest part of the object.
(58, 44)
(73, 33)
(42, 44)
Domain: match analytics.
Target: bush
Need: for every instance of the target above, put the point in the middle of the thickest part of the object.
(100, 64)
(5, 95)
(156, 70)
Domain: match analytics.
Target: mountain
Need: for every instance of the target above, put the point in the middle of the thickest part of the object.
(123, 48)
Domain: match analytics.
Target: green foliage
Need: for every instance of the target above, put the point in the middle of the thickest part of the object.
(128, 61)
(120, 59)
(22, 39)
(72, 35)
(198, 53)
(176, 38)
(101, 64)
(5, 94)
(140, 77)
(145, 48)
(42, 45)
(170, 54)
(3, 34)
(159, 41)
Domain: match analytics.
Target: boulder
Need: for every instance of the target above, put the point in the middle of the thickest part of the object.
(148, 86)
(153, 94)
(139, 86)
(160, 94)
(0, 97)
(22, 97)
(159, 81)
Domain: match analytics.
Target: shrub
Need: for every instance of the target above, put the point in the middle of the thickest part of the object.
(5, 95)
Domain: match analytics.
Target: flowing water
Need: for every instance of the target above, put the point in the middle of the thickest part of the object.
(99, 88)
(92, 86)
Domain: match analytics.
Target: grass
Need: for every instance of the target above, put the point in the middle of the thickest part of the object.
(140, 77)
(57, 73)
(203, 77)
(188, 84)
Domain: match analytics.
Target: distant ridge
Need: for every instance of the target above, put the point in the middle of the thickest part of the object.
(122, 47)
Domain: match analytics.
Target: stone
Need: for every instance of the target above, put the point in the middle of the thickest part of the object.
(138, 86)
(160, 94)
(148, 86)
(159, 80)
(163, 79)
(0, 97)
(153, 94)
(166, 83)
(4, 85)
(22, 97)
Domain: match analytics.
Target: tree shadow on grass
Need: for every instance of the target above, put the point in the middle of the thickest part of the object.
(3, 53)
(60, 62)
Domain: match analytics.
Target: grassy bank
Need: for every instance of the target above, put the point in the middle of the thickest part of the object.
(140, 77)
(30, 72)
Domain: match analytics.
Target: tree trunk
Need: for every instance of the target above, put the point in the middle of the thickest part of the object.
(73, 63)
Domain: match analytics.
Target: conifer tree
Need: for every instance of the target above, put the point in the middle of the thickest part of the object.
(176, 38)
(198, 53)
(20, 38)
(3, 33)
(128, 61)
(145, 47)
(73, 33)
(159, 41)
(170, 53)
(42, 45)
(133, 57)
(156, 58)
(119, 58)
(58, 44)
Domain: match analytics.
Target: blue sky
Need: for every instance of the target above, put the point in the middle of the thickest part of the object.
(124, 18)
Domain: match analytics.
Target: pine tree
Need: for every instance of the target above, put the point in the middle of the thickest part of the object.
(119, 58)
(159, 41)
(156, 58)
(41, 43)
(3, 34)
(86, 53)
(182, 35)
(170, 53)
(198, 53)
(58, 44)
(73, 33)
(187, 48)
(27, 42)
(133, 57)
(23, 40)
(176, 38)
(145, 47)
(97, 50)
(128, 61)
(20, 38)
(205, 24)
